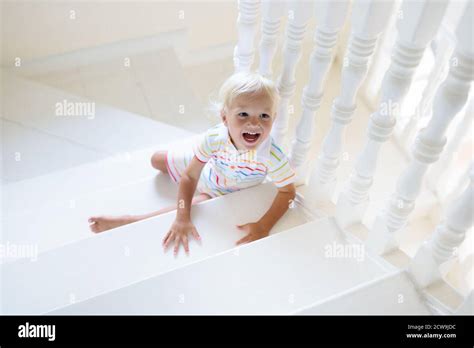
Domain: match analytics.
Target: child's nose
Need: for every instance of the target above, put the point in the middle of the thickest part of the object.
(254, 120)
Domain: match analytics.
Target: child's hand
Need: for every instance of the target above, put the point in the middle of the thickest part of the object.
(254, 231)
(179, 233)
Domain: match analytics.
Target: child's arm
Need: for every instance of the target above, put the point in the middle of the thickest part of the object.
(182, 225)
(262, 227)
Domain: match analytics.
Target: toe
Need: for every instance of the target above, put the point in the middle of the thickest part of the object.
(94, 226)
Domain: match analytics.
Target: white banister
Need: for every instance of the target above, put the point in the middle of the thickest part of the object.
(272, 12)
(446, 238)
(368, 19)
(446, 199)
(462, 130)
(449, 99)
(443, 51)
(330, 17)
(416, 26)
(299, 14)
(246, 26)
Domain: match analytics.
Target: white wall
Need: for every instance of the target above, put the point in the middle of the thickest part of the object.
(36, 29)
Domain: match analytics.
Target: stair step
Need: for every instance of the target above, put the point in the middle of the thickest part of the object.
(393, 294)
(70, 184)
(32, 107)
(27, 152)
(120, 257)
(51, 226)
(275, 275)
(48, 211)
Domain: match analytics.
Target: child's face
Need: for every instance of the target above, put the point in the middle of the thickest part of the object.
(249, 120)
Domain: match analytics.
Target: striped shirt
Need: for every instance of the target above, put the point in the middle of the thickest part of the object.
(228, 169)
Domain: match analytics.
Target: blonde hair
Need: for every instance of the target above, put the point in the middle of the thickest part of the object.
(244, 83)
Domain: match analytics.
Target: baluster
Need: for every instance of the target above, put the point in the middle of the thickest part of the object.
(447, 237)
(446, 199)
(330, 19)
(450, 97)
(299, 13)
(439, 168)
(271, 18)
(437, 75)
(246, 26)
(369, 19)
(416, 26)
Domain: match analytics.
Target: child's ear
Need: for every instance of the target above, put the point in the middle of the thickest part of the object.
(223, 117)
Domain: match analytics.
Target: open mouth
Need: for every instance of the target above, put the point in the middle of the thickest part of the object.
(251, 137)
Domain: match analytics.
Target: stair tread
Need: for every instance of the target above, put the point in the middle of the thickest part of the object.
(71, 183)
(51, 226)
(394, 294)
(32, 106)
(52, 210)
(275, 275)
(24, 151)
(130, 253)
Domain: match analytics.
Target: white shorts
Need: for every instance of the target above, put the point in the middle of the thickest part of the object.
(178, 158)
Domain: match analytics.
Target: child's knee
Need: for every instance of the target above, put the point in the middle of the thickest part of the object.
(158, 161)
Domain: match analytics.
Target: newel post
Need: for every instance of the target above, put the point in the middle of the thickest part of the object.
(447, 237)
(416, 26)
(246, 26)
(449, 99)
(368, 19)
(330, 17)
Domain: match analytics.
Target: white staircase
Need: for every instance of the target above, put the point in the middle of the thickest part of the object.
(33, 130)
(50, 212)
(275, 275)
(39, 208)
(58, 171)
(392, 294)
(125, 270)
(114, 259)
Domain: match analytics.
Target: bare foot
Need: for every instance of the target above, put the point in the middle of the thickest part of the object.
(103, 223)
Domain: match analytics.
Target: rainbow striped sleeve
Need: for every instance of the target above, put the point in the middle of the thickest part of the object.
(279, 168)
(207, 144)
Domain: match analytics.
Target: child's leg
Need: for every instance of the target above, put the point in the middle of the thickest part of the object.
(104, 223)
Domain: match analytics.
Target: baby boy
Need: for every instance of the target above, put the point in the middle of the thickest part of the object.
(236, 154)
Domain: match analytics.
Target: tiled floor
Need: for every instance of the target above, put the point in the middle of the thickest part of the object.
(152, 84)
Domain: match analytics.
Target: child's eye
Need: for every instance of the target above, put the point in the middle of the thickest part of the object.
(265, 116)
(243, 114)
